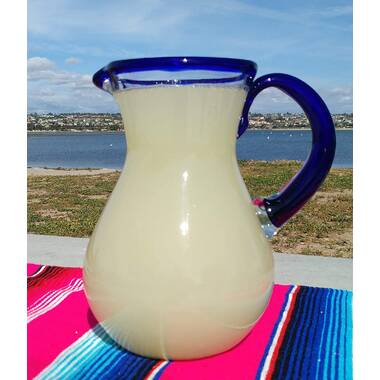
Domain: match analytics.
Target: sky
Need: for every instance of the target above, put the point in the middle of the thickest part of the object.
(69, 40)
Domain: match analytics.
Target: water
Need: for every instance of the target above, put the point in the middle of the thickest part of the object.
(107, 150)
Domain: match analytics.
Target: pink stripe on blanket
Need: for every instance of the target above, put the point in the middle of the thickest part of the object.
(51, 333)
(243, 360)
(50, 279)
(32, 269)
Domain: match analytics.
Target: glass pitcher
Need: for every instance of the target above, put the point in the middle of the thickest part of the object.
(179, 265)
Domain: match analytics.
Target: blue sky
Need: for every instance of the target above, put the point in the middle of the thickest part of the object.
(68, 40)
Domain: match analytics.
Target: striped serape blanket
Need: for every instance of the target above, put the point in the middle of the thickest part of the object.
(305, 333)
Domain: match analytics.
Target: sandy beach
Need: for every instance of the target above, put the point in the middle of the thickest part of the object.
(39, 172)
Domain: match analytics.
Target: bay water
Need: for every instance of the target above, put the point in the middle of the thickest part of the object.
(108, 149)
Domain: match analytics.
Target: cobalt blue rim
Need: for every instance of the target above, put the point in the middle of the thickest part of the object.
(244, 68)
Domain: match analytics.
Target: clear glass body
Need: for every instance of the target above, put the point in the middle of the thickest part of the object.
(178, 266)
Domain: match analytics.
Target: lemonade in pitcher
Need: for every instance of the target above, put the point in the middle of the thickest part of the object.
(179, 265)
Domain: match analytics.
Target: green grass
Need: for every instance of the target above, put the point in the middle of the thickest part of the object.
(71, 206)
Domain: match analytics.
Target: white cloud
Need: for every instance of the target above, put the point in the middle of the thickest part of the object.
(42, 69)
(51, 89)
(72, 61)
(302, 15)
(37, 64)
(336, 11)
(337, 99)
(273, 100)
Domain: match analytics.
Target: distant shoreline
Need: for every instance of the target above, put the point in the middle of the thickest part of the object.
(122, 131)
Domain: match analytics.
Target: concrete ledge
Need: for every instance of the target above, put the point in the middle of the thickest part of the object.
(317, 271)
(56, 250)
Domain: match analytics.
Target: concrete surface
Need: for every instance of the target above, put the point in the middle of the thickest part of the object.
(317, 271)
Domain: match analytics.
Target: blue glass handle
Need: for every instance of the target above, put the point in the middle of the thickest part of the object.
(281, 206)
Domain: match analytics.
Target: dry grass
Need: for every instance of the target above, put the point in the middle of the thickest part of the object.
(71, 206)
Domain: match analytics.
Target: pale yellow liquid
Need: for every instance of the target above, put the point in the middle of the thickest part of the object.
(178, 266)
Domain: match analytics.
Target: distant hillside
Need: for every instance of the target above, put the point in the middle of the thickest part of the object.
(88, 122)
